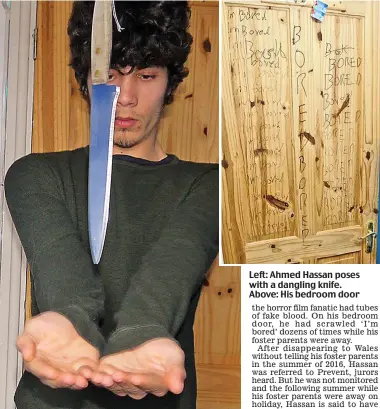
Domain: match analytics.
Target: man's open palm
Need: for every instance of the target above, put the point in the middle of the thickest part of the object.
(155, 367)
(54, 352)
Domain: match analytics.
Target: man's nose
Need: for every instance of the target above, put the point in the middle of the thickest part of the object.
(128, 91)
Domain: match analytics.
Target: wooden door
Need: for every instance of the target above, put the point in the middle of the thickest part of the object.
(300, 132)
(190, 130)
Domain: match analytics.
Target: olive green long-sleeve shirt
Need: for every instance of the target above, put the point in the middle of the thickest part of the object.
(161, 239)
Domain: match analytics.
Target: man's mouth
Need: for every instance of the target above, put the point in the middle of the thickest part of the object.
(121, 122)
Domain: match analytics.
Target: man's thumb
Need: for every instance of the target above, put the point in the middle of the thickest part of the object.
(26, 345)
(175, 378)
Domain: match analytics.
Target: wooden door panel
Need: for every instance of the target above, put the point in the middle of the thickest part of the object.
(348, 258)
(263, 158)
(299, 131)
(190, 125)
(217, 339)
(294, 249)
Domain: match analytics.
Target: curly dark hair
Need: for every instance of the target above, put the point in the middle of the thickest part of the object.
(155, 34)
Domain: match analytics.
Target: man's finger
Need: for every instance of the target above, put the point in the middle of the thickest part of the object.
(104, 375)
(69, 379)
(65, 380)
(89, 364)
(117, 389)
(123, 385)
(108, 369)
(100, 378)
(85, 371)
(159, 384)
(107, 381)
(26, 345)
(49, 383)
(116, 374)
(128, 388)
(148, 383)
(137, 395)
(76, 388)
(85, 368)
(55, 383)
(80, 383)
(175, 379)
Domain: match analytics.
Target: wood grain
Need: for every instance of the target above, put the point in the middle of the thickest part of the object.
(299, 126)
(348, 258)
(293, 249)
(190, 126)
(60, 116)
(217, 340)
(232, 239)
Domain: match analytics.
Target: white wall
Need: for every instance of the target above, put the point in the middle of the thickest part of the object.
(4, 29)
(15, 141)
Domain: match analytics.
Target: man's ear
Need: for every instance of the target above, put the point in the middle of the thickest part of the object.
(169, 96)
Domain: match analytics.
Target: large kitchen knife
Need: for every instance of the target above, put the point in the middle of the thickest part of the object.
(103, 105)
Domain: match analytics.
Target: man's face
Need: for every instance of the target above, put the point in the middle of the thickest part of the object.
(140, 103)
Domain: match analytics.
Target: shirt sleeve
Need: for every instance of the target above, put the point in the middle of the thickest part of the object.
(172, 271)
(64, 277)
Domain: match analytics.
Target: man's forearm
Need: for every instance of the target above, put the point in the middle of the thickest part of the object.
(64, 278)
(159, 294)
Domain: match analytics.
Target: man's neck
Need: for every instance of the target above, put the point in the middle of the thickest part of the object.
(152, 152)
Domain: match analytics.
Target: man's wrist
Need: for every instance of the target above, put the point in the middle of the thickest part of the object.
(128, 338)
(83, 324)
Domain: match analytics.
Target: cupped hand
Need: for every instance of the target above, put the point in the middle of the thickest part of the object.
(155, 367)
(54, 352)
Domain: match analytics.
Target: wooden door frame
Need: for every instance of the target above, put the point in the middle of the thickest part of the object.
(17, 143)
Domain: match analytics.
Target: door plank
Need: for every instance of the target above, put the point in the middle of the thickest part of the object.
(294, 249)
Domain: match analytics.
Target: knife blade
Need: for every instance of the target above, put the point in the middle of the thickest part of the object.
(103, 106)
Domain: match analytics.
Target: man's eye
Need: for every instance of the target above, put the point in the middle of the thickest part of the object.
(147, 77)
(111, 77)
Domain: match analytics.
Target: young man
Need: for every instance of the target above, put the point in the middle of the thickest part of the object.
(118, 334)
